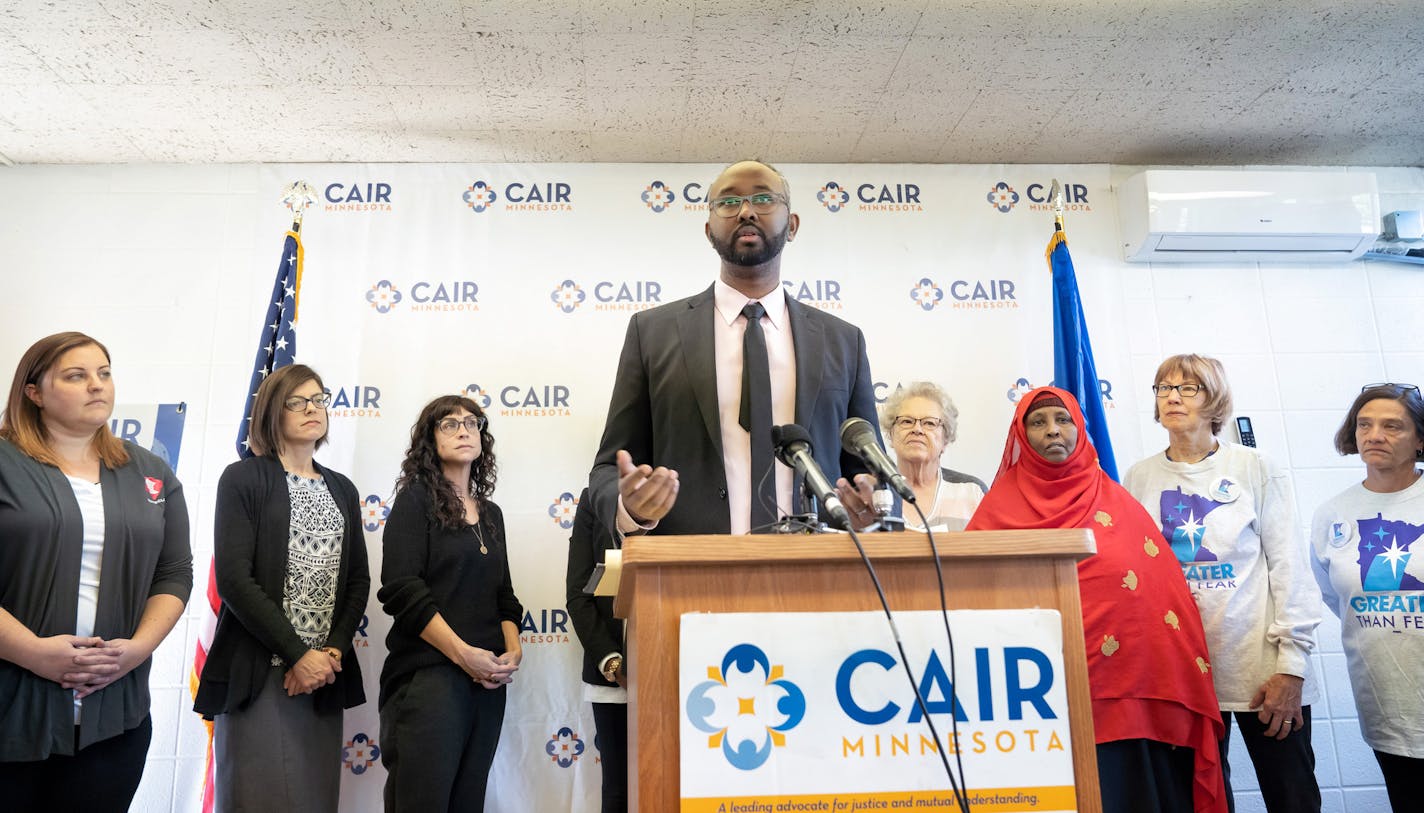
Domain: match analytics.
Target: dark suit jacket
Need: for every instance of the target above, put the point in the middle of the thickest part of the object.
(598, 631)
(664, 405)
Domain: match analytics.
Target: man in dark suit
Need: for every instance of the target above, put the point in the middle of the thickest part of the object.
(678, 455)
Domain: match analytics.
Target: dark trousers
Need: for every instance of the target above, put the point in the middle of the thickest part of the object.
(1404, 779)
(101, 778)
(1145, 776)
(1285, 768)
(611, 722)
(438, 737)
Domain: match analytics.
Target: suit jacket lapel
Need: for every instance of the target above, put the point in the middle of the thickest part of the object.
(809, 342)
(699, 354)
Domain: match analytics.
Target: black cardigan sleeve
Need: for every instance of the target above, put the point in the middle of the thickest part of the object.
(240, 502)
(405, 549)
(173, 573)
(585, 547)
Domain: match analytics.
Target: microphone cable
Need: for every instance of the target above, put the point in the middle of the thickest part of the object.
(905, 663)
(953, 663)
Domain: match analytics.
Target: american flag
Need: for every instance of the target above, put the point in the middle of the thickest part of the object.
(277, 347)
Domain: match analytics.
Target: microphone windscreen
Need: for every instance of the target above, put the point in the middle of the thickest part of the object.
(790, 433)
(855, 432)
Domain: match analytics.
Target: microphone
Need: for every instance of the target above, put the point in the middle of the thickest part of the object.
(793, 447)
(858, 438)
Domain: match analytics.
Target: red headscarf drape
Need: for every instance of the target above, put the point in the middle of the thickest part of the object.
(1148, 668)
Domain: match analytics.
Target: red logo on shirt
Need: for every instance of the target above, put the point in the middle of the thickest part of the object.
(154, 486)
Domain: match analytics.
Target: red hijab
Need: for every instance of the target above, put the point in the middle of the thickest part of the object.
(1148, 667)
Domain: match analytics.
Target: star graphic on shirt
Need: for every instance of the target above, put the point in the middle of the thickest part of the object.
(1190, 527)
(1179, 506)
(1393, 554)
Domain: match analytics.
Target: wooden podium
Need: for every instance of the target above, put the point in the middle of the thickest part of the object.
(664, 577)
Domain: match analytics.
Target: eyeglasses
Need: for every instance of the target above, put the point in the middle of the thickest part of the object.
(763, 203)
(905, 423)
(1187, 390)
(299, 404)
(474, 424)
(1403, 388)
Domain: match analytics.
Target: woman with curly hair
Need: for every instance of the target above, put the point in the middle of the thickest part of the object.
(454, 642)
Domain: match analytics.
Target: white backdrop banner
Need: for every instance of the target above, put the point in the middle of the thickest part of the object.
(514, 283)
(813, 711)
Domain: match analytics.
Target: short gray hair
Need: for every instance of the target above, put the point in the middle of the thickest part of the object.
(922, 389)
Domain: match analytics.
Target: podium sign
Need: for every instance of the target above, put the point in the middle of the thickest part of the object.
(813, 712)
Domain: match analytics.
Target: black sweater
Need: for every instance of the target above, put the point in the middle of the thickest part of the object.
(251, 534)
(427, 569)
(600, 633)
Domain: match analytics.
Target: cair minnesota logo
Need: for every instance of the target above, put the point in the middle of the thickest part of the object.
(479, 196)
(562, 510)
(1003, 197)
(658, 197)
(872, 196)
(564, 747)
(746, 707)
(374, 512)
(926, 294)
(383, 296)
(832, 196)
(372, 196)
(518, 196)
(568, 296)
(425, 296)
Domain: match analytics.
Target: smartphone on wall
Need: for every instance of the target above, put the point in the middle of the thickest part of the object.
(1243, 431)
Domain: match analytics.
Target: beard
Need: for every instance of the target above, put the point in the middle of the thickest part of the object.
(770, 247)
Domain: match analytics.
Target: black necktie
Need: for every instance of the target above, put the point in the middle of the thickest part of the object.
(755, 416)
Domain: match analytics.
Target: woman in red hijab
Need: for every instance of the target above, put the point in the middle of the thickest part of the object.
(1155, 717)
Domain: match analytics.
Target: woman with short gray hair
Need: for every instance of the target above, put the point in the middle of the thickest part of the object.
(920, 420)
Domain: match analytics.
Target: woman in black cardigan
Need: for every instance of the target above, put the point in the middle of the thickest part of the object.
(291, 570)
(454, 644)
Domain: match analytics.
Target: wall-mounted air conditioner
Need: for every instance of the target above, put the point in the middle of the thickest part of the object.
(1184, 216)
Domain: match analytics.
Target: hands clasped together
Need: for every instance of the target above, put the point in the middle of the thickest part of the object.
(86, 664)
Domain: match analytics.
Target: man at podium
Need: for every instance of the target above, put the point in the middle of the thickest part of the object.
(686, 447)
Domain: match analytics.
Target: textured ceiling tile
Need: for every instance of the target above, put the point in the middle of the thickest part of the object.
(944, 64)
(423, 57)
(632, 60)
(115, 56)
(627, 16)
(881, 18)
(283, 15)
(21, 66)
(529, 60)
(814, 147)
(849, 62)
(27, 18)
(553, 146)
(722, 147)
(716, 63)
(556, 17)
(163, 106)
(731, 109)
(897, 147)
(534, 107)
(411, 15)
(144, 15)
(454, 147)
(634, 147)
(47, 107)
(921, 110)
(192, 144)
(444, 108)
(317, 56)
(1318, 66)
(809, 106)
(1132, 63)
(68, 146)
(633, 108)
(740, 25)
(1007, 119)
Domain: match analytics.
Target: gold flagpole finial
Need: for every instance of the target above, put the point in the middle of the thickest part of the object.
(297, 196)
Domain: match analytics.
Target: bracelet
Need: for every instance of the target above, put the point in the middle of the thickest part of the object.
(333, 652)
(610, 669)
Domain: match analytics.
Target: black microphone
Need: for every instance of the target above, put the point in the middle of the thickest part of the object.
(793, 447)
(858, 438)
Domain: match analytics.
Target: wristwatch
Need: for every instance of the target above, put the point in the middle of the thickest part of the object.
(610, 669)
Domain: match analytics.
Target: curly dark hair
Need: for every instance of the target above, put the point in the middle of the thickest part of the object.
(422, 461)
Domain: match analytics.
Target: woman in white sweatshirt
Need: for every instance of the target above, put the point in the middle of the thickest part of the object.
(1362, 540)
(1229, 515)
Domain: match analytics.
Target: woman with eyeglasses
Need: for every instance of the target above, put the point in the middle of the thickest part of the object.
(1362, 541)
(290, 558)
(921, 421)
(94, 572)
(454, 641)
(1229, 514)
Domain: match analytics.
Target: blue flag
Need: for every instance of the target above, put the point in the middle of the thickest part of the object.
(1073, 367)
(277, 346)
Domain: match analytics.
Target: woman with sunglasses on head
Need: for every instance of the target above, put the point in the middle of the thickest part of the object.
(454, 642)
(1362, 541)
(1229, 514)
(291, 571)
(94, 572)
